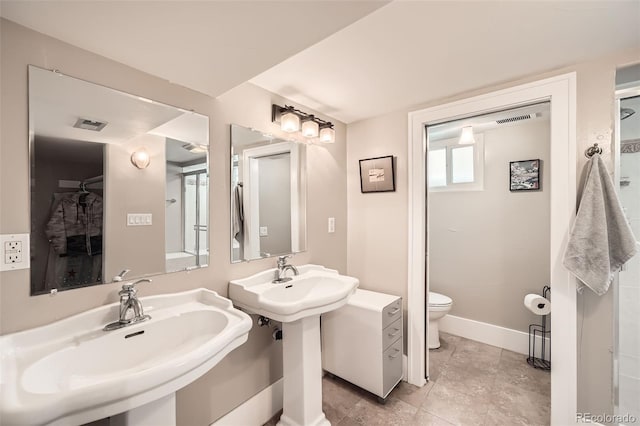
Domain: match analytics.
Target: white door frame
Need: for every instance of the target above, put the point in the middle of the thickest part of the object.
(561, 92)
(251, 206)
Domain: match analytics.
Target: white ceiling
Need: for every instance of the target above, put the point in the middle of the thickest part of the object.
(412, 52)
(404, 53)
(57, 101)
(210, 46)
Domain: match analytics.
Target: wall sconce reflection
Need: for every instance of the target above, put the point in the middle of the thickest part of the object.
(140, 159)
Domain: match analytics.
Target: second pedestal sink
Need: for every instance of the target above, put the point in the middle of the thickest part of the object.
(297, 304)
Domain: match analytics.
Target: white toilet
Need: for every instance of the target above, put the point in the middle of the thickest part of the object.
(439, 306)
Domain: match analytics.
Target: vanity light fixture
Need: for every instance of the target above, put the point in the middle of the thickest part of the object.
(290, 118)
(140, 159)
(466, 137)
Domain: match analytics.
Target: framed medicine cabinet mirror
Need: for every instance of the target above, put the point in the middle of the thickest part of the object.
(268, 195)
(117, 182)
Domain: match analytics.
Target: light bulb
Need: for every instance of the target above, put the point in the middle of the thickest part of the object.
(310, 128)
(289, 122)
(140, 159)
(327, 135)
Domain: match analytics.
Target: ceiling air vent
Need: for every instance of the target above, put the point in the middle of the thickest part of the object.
(517, 118)
(86, 124)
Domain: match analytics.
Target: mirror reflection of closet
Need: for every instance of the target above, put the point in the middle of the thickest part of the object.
(93, 212)
(268, 195)
(67, 211)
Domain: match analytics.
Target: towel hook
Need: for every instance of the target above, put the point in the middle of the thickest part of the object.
(595, 149)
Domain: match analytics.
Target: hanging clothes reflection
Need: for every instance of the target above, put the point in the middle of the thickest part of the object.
(74, 231)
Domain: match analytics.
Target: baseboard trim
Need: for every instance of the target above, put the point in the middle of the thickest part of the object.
(495, 335)
(257, 410)
(405, 360)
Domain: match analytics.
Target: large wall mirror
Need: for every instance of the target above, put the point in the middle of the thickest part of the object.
(268, 195)
(94, 211)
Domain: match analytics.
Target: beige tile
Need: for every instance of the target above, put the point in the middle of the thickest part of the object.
(411, 394)
(514, 370)
(467, 378)
(500, 416)
(477, 354)
(423, 418)
(517, 402)
(334, 415)
(394, 413)
(455, 407)
(348, 421)
(339, 396)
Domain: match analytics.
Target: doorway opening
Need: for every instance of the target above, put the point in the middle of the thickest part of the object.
(560, 92)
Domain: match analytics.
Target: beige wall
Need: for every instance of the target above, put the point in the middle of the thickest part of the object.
(489, 248)
(132, 190)
(377, 234)
(256, 364)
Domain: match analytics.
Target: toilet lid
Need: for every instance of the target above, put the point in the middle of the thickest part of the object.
(437, 299)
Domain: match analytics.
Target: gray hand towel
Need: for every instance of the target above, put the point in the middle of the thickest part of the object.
(601, 240)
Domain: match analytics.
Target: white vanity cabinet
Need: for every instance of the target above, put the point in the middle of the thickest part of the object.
(362, 341)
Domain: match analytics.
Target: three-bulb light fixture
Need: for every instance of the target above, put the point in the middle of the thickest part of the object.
(293, 120)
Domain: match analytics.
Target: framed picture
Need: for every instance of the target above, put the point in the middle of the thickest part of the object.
(377, 174)
(525, 175)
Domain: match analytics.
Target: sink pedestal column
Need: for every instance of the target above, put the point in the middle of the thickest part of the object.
(159, 412)
(302, 365)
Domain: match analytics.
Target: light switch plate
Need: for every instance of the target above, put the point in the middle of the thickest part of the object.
(331, 225)
(15, 252)
(264, 231)
(139, 219)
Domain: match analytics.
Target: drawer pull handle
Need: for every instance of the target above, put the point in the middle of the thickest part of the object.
(395, 355)
(395, 311)
(395, 333)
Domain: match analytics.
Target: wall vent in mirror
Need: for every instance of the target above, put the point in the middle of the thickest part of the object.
(268, 195)
(83, 185)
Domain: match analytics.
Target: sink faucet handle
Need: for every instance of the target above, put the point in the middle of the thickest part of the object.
(282, 260)
(130, 287)
(121, 275)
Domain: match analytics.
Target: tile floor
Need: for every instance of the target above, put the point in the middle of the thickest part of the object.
(471, 384)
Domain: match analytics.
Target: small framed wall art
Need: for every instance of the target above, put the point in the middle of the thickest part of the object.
(377, 174)
(524, 175)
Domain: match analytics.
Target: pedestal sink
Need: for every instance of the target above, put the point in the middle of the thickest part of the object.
(297, 304)
(72, 372)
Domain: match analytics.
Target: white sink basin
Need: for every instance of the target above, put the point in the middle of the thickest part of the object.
(315, 291)
(73, 372)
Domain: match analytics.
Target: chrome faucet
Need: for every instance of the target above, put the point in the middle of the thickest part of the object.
(283, 267)
(129, 302)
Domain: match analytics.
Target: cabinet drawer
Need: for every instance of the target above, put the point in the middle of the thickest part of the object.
(391, 313)
(391, 333)
(392, 367)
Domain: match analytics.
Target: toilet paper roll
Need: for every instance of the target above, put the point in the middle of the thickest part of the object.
(537, 304)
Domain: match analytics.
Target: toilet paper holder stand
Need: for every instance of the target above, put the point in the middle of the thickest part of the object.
(539, 331)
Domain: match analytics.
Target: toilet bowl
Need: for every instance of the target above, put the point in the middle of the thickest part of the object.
(439, 306)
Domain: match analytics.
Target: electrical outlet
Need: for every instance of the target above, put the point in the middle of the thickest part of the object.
(15, 251)
(264, 231)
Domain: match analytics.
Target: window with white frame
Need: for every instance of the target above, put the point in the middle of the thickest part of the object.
(455, 167)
